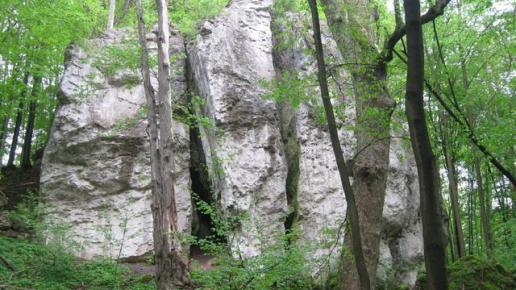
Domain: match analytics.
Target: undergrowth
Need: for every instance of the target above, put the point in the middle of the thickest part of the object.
(29, 265)
(476, 273)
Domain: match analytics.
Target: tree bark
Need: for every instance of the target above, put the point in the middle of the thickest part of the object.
(172, 263)
(111, 15)
(29, 131)
(356, 239)
(484, 215)
(484, 210)
(3, 139)
(433, 236)
(16, 134)
(374, 107)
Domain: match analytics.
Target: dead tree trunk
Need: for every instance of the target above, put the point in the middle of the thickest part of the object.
(337, 150)
(433, 236)
(111, 15)
(171, 263)
(173, 266)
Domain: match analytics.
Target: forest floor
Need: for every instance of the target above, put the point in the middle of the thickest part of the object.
(29, 265)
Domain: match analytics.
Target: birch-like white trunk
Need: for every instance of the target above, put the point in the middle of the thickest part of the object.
(111, 15)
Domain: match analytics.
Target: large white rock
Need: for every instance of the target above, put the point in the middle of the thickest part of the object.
(229, 60)
(96, 167)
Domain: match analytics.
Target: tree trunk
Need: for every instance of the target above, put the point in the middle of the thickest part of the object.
(453, 188)
(470, 217)
(29, 131)
(337, 150)
(433, 237)
(152, 120)
(171, 262)
(3, 139)
(16, 134)
(374, 108)
(484, 211)
(483, 208)
(111, 15)
(18, 123)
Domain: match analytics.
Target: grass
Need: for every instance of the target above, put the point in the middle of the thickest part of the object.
(39, 267)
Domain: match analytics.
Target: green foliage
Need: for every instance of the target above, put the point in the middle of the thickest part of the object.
(505, 237)
(476, 273)
(34, 37)
(280, 266)
(38, 267)
(186, 113)
(188, 14)
(289, 88)
(282, 6)
(28, 214)
(120, 56)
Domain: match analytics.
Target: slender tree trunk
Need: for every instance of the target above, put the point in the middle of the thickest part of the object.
(484, 211)
(343, 170)
(374, 107)
(470, 218)
(29, 131)
(434, 248)
(453, 189)
(452, 245)
(3, 139)
(111, 15)
(16, 134)
(17, 124)
(483, 208)
(171, 263)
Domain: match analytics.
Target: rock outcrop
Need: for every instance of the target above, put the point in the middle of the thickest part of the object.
(96, 166)
(96, 174)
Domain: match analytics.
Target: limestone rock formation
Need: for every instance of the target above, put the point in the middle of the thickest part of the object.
(96, 166)
(96, 172)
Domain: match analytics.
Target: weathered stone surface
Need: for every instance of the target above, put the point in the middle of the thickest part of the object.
(96, 167)
(95, 175)
(321, 198)
(229, 60)
(402, 237)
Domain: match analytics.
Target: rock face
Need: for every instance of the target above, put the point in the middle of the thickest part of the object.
(96, 166)
(96, 173)
(228, 62)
